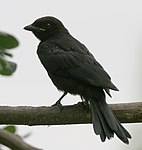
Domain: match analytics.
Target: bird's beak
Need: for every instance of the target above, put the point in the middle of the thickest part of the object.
(31, 28)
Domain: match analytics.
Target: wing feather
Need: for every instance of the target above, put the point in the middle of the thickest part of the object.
(75, 63)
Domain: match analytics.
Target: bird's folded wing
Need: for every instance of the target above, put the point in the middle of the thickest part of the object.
(82, 67)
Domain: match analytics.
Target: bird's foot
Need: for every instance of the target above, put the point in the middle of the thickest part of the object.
(84, 104)
(59, 105)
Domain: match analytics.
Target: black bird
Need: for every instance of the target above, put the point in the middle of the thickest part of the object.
(73, 69)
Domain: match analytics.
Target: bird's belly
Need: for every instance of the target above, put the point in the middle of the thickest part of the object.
(69, 85)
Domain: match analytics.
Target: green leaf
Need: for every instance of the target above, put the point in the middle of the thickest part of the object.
(7, 67)
(11, 129)
(7, 41)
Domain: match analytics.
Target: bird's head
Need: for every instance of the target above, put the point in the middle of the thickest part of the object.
(46, 27)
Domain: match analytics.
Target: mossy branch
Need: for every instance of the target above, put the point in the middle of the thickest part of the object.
(73, 114)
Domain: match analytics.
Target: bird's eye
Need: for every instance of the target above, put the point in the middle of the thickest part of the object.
(48, 25)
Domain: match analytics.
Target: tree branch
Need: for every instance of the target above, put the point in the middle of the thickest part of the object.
(74, 114)
(14, 142)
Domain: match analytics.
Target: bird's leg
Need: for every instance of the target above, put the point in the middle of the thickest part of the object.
(58, 103)
(84, 104)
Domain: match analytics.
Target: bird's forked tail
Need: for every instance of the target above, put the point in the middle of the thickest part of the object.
(105, 123)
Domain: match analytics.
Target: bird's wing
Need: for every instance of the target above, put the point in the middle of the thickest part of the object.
(76, 64)
(91, 72)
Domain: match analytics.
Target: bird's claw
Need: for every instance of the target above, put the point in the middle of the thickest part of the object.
(58, 104)
(84, 104)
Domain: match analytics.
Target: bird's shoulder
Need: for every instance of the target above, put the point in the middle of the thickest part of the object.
(69, 48)
(62, 44)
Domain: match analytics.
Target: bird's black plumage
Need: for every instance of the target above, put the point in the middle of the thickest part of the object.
(73, 69)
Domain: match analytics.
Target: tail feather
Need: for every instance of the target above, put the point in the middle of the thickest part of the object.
(126, 132)
(100, 126)
(114, 123)
(105, 123)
